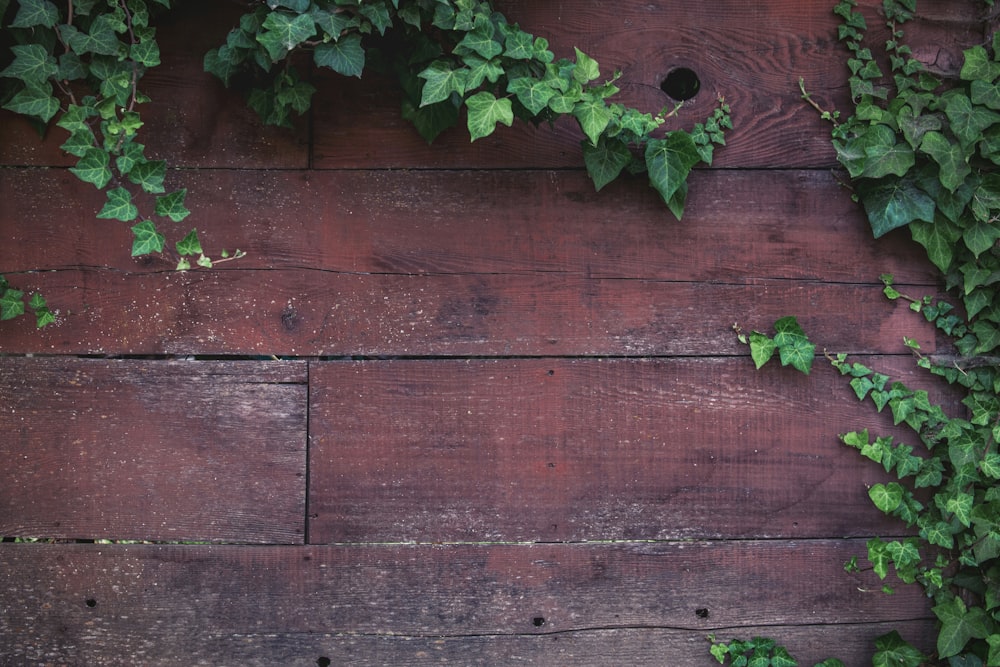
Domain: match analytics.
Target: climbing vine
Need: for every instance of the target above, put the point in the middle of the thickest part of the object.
(921, 151)
(78, 65)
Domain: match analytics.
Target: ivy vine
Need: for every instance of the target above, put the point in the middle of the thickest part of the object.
(921, 151)
(78, 65)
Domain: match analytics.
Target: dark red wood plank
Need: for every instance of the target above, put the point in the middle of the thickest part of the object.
(559, 450)
(100, 603)
(751, 53)
(318, 313)
(740, 226)
(153, 450)
(853, 644)
(192, 120)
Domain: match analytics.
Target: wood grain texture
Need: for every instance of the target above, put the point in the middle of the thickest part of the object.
(740, 226)
(316, 313)
(566, 450)
(99, 603)
(153, 450)
(430, 263)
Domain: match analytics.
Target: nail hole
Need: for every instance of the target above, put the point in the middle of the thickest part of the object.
(681, 84)
(551, 373)
(91, 602)
(701, 613)
(323, 661)
(538, 621)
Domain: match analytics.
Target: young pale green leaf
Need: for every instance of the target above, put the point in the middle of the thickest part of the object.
(204, 261)
(480, 41)
(345, 56)
(189, 245)
(11, 303)
(593, 116)
(606, 160)
(886, 497)
(172, 205)
(119, 206)
(146, 52)
(978, 65)
(485, 111)
(518, 45)
(761, 348)
(35, 13)
(586, 69)
(146, 239)
(93, 167)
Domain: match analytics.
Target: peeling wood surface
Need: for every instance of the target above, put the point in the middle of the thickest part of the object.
(510, 422)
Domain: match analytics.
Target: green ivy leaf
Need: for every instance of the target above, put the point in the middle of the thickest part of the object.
(11, 304)
(593, 115)
(586, 69)
(794, 347)
(33, 13)
(100, 39)
(440, 81)
(345, 56)
(967, 121)
(980, 237)
(978, 65)
(149, 175)
(36, 101)
(531, 92)
(119, 206)
(892, 203)
(189, 245)
(284, 32)
(949, 156)
(958, 625)
(669, 161)
(761, 348)
(146, 52)
(32, 63)
(172, 205)
(891, 650)
(485, 111)
(886, 497)
(606, 160)
(93, 167)
(146, 239)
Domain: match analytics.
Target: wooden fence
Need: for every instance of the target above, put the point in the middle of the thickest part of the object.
(455, 406)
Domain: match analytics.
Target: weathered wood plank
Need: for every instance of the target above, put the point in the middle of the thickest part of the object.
(297, 312)
(153, 450)
(192, 119)
(563, 450)
(740, 226)
(624, 647)
(99, 603)
(412, 263)
(751, 53)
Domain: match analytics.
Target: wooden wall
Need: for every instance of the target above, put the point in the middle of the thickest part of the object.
(454, 406)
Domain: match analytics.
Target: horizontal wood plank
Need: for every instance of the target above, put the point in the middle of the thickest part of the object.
(98, 603)
(315, 313)
(564, 450)
(153, 450)
(740, 226)
(622, 647)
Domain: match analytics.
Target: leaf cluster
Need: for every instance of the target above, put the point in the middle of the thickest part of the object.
(789, 341)
(455, 55)
(757, 652)
(922, 151)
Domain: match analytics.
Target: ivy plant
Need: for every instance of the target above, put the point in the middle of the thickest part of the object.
(78, 64)
(450, 55)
